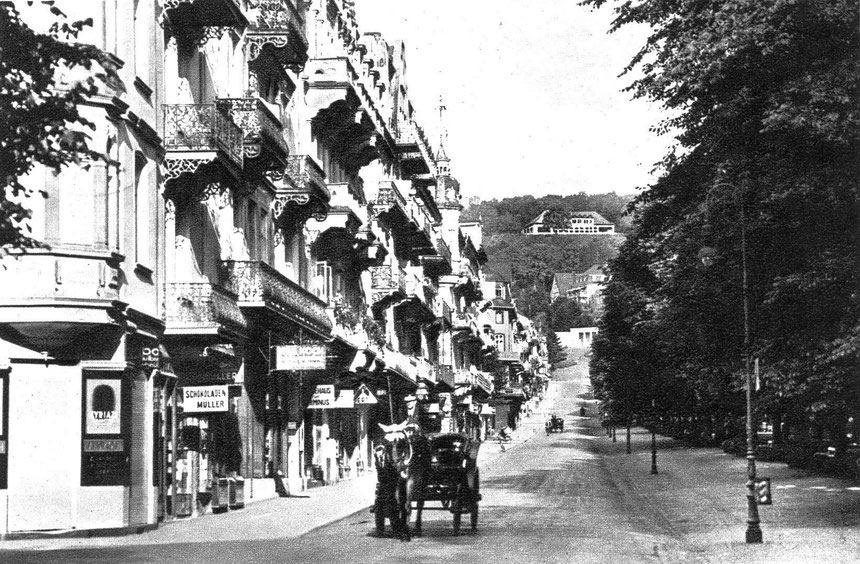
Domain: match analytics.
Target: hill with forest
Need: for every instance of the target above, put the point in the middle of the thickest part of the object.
(511, 215)
(533, 260)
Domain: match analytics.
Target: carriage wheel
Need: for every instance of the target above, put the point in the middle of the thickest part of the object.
(379, 515)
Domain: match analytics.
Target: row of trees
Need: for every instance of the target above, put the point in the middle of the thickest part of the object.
(763, 99)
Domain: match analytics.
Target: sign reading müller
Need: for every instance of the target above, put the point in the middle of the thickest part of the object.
(300, 357)
(204, 399)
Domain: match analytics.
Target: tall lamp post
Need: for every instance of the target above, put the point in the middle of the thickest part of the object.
(753, 532)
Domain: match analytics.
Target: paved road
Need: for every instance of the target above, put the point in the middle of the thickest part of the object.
(570, 497)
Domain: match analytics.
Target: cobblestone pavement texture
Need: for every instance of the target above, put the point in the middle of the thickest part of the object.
(574, 496)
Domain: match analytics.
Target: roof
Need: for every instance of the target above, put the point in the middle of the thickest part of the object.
(501, 303)
(595, 269)
(565, 281)
(598, 219)
(538, 219)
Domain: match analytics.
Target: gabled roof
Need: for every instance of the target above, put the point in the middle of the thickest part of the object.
(564, 281)
(538, 219)
(598, 219)
(595, 269)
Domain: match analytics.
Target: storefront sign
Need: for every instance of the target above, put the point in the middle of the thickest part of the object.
(345, 400)
(104, 445)
(323, 398)
(204, 399)
(103, 407)
(363, 396)
(300, 357)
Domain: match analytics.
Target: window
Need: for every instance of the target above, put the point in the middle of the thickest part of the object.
(323, 281)
(500, 317)
(499, 339)
(500, 291)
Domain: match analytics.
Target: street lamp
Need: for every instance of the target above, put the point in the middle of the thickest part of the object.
(706, 255)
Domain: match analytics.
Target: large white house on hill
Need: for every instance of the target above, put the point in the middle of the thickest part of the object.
(581, 223)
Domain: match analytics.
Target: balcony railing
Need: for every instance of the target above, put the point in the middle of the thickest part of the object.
(259, 285)
(203, 307)
(204, 13)
(262, 130)
(387, 278)
(201, 128)
(445, 373)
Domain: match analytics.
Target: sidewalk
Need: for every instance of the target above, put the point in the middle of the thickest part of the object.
(288, 517)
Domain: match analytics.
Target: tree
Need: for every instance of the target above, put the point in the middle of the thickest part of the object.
(763, 99)
(564, 313)
(554, 349)
(40, 117)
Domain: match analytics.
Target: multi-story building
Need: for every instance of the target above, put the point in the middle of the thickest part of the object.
(579, 223)
(272, 260)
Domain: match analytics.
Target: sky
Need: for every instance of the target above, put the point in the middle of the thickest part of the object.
(532, 93)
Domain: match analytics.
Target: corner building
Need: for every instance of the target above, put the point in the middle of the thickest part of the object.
(273, 261)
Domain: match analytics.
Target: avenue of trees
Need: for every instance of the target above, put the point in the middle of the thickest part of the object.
(763, 99)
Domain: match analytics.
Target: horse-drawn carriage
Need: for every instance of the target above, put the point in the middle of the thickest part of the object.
(554, 424)
(440, 468)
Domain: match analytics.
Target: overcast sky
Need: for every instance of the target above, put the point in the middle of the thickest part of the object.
(533, 97)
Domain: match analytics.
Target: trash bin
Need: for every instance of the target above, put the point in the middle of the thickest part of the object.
(237, 492)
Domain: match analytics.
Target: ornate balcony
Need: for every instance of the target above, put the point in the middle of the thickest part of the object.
(263, 137)
(258, 285)
(201, 308)
(386, 284)
(445, 374)
(198, 136)
(300, 193)
(278, 31)
(182, 16)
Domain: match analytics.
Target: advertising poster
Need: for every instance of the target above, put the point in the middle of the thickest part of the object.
(103, 407)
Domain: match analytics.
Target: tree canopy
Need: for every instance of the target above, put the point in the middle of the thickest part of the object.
(40, 110)
(763, 100)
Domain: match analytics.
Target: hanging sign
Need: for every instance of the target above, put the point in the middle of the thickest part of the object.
(345, 400)
(323, 397)
(300, 357)
(363, 396)
(204, 399)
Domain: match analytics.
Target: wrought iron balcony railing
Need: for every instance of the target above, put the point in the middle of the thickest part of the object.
(387, 278)
(262, 130)
(201, 128)
(259, 285)
(202, 307)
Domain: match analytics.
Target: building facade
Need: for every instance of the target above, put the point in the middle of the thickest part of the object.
(579, 223)
(271, 262)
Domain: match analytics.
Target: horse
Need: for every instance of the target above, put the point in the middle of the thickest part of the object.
(402, 459)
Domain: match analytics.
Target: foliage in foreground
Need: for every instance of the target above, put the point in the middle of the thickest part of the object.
(764, 97)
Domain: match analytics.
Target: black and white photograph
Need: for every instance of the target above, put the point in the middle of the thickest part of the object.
(401, 281)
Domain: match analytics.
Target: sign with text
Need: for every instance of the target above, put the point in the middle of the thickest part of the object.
(104, 445)
(323, 397)
(104, 405)
(300, 357)
(345, 400)
(204, 399)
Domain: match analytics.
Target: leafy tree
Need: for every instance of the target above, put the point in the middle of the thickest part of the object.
(40, 117)
(763, 98)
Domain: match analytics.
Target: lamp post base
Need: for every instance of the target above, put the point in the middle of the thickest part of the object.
(754, 534)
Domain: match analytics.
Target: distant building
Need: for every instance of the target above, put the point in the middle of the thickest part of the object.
(581, 223)
(584, 287)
